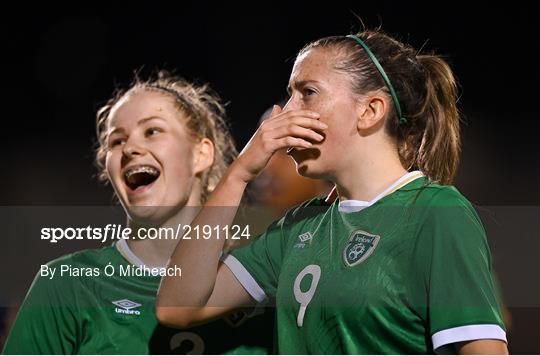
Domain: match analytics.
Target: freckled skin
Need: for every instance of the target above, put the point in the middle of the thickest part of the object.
(170, 150)
(336, 103)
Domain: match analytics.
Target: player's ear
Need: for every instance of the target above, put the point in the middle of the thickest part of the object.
(203, 155)
(370, 113)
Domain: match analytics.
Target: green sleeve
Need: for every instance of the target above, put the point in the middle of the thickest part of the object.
(46, 322)
(257, 265)
(454, 262)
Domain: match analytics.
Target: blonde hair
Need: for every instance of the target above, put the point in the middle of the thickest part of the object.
(205, 119)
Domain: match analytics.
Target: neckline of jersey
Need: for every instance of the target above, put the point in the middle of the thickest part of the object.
(354, 206)
(131, 257)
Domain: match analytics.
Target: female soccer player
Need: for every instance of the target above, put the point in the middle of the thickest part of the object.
(399, 262)
(163, 144)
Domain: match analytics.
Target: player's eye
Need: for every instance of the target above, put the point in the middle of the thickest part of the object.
(152, 131)
(117, 141)
(307, 92)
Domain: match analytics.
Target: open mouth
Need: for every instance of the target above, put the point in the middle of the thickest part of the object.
(139, 177)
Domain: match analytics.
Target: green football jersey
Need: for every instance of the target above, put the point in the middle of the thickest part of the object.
(406, 273)
(81, 313)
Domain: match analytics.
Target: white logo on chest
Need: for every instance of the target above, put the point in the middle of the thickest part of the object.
(126, 306)
(303, 239)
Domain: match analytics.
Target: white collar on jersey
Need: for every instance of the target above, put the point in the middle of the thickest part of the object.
(353, 206)
(130, 256)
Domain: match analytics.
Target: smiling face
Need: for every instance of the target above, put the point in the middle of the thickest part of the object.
(315, 85)
(150, 157)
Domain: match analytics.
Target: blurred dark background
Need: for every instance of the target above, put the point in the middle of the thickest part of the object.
(60, 64)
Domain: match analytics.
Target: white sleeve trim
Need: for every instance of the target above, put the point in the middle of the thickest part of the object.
(467, 333)
(245, 278)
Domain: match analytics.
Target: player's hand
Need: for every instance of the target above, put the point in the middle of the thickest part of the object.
(284, 129)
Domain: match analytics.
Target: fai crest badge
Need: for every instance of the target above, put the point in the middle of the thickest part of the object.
(360, 246)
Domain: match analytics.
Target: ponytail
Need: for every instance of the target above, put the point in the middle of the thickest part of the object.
(436, 149)
(428, 139)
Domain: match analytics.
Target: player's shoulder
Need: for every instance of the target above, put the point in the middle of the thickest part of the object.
(445, 204)
(62, 275)
(87, 257)
(430, 193)
(53, 282)
(307, 209)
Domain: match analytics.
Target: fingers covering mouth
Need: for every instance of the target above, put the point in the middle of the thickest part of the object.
(140, 176)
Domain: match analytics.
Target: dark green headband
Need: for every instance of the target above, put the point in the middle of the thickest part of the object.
(402, 119)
